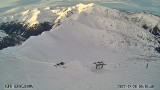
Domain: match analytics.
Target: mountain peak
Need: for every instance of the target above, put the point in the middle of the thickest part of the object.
(82, 6)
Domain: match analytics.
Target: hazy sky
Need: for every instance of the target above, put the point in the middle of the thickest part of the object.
(12, 6)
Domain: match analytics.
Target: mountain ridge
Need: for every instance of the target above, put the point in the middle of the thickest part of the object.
(97, 17)
(49, 14)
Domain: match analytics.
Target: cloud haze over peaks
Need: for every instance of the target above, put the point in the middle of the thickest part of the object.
(13, 6)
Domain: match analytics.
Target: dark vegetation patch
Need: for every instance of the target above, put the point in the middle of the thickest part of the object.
(155, 31)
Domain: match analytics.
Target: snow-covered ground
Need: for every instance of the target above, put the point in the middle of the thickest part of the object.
(80, 73)
(85, 36)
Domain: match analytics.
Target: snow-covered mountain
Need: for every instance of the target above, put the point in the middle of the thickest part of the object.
(127, 24)
(52, 14)
(126, 42)
(27, 23)
(92, 25)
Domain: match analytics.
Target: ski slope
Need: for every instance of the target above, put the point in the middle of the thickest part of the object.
(85, 36)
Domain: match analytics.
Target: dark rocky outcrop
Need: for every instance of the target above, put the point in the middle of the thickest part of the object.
(145, 26)
(19, 32)
(155, 31)
(157, 49)
(11, 40)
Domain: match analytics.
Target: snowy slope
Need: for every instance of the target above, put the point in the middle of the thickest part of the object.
(87, 34)
(78, 74)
